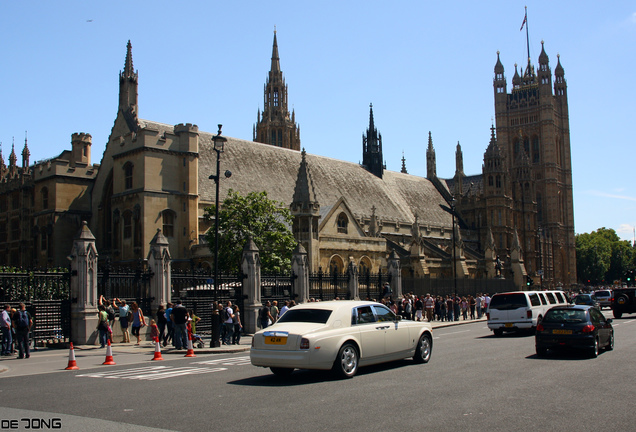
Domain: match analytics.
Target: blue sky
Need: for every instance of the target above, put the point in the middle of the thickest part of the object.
(425, 66)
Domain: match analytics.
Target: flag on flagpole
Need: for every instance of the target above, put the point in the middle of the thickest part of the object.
(525, 17)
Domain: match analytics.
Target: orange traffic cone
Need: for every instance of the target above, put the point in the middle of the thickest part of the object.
(190, 352)
(72, 365)
(157, 350)
(109, 355)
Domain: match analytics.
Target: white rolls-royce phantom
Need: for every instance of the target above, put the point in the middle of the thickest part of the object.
(340, 335)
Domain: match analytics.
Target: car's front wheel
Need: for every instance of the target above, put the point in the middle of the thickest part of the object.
(423, 350)
(346, 364)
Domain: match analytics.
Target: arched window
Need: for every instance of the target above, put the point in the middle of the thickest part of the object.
(168, 223)
(45, 198)
(343, 223)
(44, 240)
(128, 175)
(490, 181)
(275, 96)
(535, 149)
(498, 181)
(127, 224)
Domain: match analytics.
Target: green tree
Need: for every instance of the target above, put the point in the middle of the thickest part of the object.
(267, 221)
(602, 257)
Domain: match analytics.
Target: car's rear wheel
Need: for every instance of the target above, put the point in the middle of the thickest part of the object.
(618, 314)
(498, 332)
(541, 351)
(423, 350)
(595, 350)
(281, 372)
(346, 364)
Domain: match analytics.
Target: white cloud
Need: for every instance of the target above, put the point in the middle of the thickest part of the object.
(608, 195)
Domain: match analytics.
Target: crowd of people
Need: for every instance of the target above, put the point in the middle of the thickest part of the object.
(438, 308)
(16, 325)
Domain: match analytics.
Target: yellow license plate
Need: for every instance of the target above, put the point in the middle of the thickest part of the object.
(559, 331)
(275, 340)
(508, 324)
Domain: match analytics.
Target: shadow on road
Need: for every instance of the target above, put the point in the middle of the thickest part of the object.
(305, 377)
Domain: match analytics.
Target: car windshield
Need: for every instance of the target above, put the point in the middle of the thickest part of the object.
(319, 316)
(582, 299)
(508, 301)
(564, 315)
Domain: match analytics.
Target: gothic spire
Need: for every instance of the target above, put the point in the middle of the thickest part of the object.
(431, 166)
(372, 148)
(275, 58)
(129, 71)
(25, 153)
(304, 191)
(403, 171)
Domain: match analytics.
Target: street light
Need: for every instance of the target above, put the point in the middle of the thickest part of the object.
(219, 146)
(452, 204)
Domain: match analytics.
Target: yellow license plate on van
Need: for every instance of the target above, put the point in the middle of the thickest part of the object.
(508, 324)
(563, 332)
(275, 340)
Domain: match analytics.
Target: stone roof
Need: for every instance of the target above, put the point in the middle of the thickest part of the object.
(258, 167)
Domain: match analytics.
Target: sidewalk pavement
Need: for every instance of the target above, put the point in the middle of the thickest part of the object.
(147, 348)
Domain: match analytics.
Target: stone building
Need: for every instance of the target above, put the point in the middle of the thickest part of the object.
(156, 176)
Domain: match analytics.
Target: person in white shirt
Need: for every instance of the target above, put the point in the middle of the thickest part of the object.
(5, 323)
(283, 309)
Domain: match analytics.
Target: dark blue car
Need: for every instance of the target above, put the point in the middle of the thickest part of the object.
(574, 327)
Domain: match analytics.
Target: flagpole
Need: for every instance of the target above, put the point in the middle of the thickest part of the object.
(527, 34)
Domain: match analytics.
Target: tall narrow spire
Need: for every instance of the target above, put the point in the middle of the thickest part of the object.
(403, 171)
(129, 71)
(275, 58)
(372, 148)
(275, 125)
(128, 82)
(25, 153)
(431, 164)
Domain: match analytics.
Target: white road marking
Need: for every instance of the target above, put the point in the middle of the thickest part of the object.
(461, 331)
(152, 372)
(235, 361)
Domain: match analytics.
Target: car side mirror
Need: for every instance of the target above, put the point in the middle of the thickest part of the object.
(609, 320)
(398, 317)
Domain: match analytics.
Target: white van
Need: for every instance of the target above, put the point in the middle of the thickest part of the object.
(521, 310)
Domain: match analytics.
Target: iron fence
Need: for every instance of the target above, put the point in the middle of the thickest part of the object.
(462, 287)
(329, 286)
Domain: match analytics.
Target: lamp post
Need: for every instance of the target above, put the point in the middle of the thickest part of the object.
(541, 255)
(452, 204)
(219, 145)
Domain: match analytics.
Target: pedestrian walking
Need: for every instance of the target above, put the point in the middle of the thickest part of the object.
(429, 307)
(238, 326)
(161, 324)
(264, 316)
(274, 311)
(228, 323)
(7, 337)
(138, 320)
(22, 323)
(124, 309)
(170, 325)
(102, 325)
(179, 318)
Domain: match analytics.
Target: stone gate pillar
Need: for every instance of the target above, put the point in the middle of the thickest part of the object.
(354, 283)
(300, 267)
(84, 298)
(396, 275)
(159, 264)
(251, 267)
